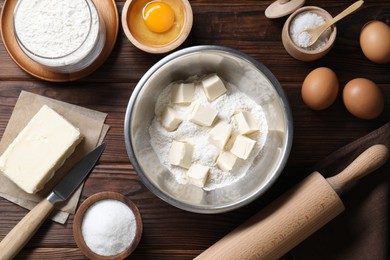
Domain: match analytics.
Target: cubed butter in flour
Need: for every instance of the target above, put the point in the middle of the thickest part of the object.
(31, 160)
(198, 174)
(245, 122)
(243, 146)
(220, 134)
(170, 119)
(180, 154)
(226, 161)
(213, 87)
(203, 115)
(182, 93)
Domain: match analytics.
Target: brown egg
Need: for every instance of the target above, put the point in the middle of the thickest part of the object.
(320, 88)
(375, 41)
(363, 98)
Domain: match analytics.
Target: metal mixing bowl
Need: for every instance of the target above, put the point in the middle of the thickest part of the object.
(249, 76)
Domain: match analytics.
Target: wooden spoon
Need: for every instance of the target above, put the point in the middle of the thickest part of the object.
(316, 32)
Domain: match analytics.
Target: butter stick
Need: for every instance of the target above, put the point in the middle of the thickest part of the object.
(31, 160)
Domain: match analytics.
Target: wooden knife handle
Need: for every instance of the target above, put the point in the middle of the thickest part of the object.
(367, 162)
(18, 237)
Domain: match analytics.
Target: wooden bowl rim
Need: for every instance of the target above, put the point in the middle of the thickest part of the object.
(80, 215)
(187, 26)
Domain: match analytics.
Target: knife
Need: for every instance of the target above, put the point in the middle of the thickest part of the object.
(18, 237)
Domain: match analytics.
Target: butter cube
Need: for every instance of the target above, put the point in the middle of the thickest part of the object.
(180, 154)
(226, 161)
(182, 93)
(220, 134)
(242, 147)
(203, 115)
(245, 122)
(31, 160)
(170, 119)
(198, 174)
(213, 87)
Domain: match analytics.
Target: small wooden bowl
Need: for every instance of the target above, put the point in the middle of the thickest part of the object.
(183, 34)
(305, 54)
(77, 233)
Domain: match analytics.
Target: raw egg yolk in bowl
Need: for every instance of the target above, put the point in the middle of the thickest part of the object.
(158, 16)
(156, 23)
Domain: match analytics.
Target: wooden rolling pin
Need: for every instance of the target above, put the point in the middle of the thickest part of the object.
(296, 215)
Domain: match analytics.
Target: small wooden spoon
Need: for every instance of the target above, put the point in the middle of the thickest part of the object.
(316, 32)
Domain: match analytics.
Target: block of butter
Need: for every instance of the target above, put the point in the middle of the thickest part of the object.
(182, 93)
(31, 160)
(203, 115)
(170, 119)
(213, 87)
(242, 147)
(226, 161)
(180, 154)
(220, 134)
(245, 122)
(198, 174)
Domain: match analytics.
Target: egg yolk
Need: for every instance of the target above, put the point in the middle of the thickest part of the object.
(158, 16)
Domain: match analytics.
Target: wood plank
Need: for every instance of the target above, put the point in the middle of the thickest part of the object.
(171, 233)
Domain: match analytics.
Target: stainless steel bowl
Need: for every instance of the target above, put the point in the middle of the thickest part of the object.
(249, 76)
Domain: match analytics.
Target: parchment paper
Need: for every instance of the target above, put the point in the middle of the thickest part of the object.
(92, 127)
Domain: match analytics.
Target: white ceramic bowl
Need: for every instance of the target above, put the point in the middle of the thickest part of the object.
(249, 76)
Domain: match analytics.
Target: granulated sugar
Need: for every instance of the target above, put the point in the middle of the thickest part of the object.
(108, 227)
(204, 152)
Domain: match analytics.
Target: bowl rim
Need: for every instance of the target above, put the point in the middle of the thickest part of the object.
(250, 196)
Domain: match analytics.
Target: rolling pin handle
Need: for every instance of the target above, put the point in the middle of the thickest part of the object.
(367, 162)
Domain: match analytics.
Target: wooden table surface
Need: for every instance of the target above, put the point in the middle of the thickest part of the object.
(171, 233)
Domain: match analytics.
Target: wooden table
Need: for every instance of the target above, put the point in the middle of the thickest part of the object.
(171, 233)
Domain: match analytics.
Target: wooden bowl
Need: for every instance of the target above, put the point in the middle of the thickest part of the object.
(184, 6)
(306, 54)
(77, 233)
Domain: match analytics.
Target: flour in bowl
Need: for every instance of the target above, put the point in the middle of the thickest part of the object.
(58, 33)
(205, 153)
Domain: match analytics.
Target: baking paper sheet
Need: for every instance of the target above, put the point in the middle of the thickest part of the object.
(91, 125)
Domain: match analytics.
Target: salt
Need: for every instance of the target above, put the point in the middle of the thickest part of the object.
(108, 227)
(304, 21)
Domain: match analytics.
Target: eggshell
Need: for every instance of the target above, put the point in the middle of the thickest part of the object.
(375, 41)
(363, 98)
(320, 88)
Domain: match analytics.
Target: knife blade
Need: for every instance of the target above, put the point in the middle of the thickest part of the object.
(18, 237)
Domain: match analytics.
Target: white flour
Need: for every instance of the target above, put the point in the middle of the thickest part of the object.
(62, 30)
(204, 152)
